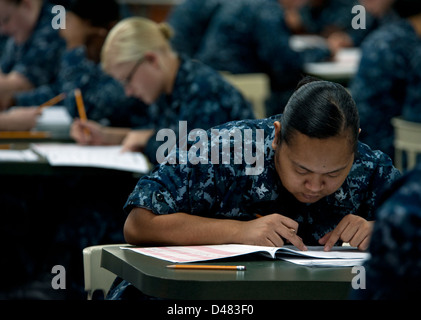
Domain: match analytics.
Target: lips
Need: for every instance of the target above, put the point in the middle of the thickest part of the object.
(310, 197)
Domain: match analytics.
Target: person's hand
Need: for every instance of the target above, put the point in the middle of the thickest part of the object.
(88, 132)
(352, 229)
(271, 230)
(20, 119)
(136, 140)
(338, 40)
(6, 100)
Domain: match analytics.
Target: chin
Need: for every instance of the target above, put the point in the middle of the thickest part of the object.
(307, 199)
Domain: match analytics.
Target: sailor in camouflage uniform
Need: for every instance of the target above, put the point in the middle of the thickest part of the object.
(35, 58)
(199, 95)
(104, 98)
(394, 269)
(303, 194)
(380, 85)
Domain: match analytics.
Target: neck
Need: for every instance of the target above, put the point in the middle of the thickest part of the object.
(173, 65)
(415, 21)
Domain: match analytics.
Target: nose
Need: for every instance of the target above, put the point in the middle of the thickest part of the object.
(314, 183)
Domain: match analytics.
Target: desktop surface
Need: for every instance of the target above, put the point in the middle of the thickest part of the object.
(264, 279)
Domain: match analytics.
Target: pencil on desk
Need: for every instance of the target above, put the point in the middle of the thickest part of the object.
(81, 108)
(206, 267)
(52, 101)
(5, 146)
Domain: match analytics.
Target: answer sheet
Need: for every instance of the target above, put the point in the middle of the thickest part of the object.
(108, 157)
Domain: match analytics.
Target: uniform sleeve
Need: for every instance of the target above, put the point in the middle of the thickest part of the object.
(175, 188)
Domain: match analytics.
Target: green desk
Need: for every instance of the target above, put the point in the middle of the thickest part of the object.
(263, 280)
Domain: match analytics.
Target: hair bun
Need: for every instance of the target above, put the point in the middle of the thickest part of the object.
(166, 30)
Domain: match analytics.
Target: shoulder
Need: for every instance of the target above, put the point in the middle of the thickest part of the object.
(373, 166)
(203, 82)
(388, 36)
(252, 124)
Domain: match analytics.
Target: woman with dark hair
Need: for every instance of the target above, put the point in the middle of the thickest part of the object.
(315, 178)
(316, 185)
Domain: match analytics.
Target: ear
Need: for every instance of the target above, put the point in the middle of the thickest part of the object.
(359, 131)
(275, 141)
(153, 59)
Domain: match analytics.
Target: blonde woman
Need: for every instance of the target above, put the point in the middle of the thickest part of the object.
(138, 54)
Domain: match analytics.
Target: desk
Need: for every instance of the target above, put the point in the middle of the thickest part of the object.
(342, 69)
(42, 167)
(263, 280)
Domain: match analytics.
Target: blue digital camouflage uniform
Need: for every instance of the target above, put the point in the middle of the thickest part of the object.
(330, 15)
(412, 106)
(201, 97)
(104, 97)
(394, 269)
(247, 36)
(379, 87)
(36, 59)
(227, 191)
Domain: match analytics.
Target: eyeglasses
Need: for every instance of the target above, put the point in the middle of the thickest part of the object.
(129, 77)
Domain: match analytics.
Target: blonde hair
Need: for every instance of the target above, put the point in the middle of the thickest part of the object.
(131, 38)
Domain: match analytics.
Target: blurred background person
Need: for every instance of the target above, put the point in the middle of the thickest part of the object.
(244, 36)
(30, 55)
(104, 98)
(137, 52)
(380, 86)
(377, 13)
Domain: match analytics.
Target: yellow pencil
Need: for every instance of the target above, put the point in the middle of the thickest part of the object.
(53, 101)
(206, 267)
(81, 109)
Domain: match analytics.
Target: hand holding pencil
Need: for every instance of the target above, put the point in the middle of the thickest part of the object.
(81, 110)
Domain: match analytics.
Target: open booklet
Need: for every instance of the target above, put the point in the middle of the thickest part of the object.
(314, 256)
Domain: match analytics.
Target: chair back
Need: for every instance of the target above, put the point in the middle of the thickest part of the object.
(407, 140)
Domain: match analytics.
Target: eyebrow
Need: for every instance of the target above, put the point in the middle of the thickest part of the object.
(330, 172)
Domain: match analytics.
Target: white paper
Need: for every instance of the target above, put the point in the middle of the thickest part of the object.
(338, 256)
(108, 157)
(55, 120)
(18, 156)
(326, 262)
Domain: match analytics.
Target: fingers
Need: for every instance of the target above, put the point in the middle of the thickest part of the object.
(352, 229)
(284, 230)
(77, 132)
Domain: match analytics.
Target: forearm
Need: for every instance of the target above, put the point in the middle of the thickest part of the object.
(113, 135)
(143, 227)
(14, 82)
